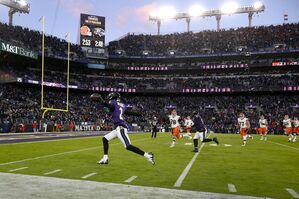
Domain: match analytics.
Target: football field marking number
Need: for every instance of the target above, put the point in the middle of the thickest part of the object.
(58, 154)
(131, 179)
(52, 172)
(18, 169)
(89, 175)
(180, 180)
(293, 193)
(232, 188)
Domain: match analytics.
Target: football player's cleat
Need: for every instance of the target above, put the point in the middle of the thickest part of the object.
(172, 145)
(103, 161)
(195, 150)
(215, 140)
(150, 158)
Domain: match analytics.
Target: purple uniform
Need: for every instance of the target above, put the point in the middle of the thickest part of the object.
(199, 124)
(117, 114)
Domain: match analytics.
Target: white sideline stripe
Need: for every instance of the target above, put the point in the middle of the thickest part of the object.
(52, 172)
(180, 180)
(57, 154)
(284, 145)
(293, 193)
(130, 179)
(89, 175)
(34, 187)
(18, 169)
(231, 188)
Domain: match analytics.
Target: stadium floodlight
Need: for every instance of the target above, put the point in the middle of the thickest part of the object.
(23, 3)
(258, 5)
(229, 8)
(153, 14)
(166, 12)
(15, 6)
(196, 11)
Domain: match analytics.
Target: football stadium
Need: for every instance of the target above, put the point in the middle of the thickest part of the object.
(149, 99)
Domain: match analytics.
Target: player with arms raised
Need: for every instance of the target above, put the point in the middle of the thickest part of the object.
(243, 125)
(263, 127)
(117, 109)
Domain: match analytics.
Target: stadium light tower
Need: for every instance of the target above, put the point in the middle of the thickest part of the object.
(15, 6)
(229, 8)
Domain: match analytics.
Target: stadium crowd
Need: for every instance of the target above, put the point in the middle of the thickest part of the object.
(249, 39)
(219, 112)
(32, 39)
(251, 82)
(262, 38)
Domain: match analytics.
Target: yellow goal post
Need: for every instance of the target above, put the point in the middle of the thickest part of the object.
(46, 109)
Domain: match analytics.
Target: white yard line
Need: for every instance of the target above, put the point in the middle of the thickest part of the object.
(284, 145)
(57, 154)
(34, 187)
(129, 180)
(89, 175)
(180, 180)
(18, 169)
(52, 172)
(231, 188)
(293, 193)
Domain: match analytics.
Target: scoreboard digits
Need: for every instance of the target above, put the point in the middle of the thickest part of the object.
(92, 31)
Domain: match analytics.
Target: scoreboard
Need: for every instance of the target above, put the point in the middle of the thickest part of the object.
(92, 31)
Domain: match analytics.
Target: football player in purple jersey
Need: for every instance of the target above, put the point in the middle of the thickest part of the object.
(117, 109)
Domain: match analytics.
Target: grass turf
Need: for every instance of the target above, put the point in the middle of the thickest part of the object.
(259, 169)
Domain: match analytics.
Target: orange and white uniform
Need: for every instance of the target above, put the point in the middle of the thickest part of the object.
(296, 126)
(243, 126)
(287, 126)
(175, 125)
(188, 124)
(263, 126)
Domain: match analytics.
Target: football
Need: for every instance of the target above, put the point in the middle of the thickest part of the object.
(95, 97)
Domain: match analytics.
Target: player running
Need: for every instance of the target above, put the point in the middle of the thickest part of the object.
(243, 125)
(188, 124)
(201, 132)
(117, 109)
(263, 123)
(175, 127)
(296, 127)
(288, 130)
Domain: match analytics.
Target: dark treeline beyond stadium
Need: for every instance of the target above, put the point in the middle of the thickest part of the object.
(219, 74)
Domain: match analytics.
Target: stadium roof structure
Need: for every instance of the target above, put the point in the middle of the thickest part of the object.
(229, 8)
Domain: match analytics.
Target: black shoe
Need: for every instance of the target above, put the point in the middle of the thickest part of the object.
(215, 140)
(195, 150)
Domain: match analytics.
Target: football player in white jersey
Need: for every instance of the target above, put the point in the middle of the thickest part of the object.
(243, 125)
(188, 124)
(288, 130)
(175, 127)
(296, 127)
(263, 128)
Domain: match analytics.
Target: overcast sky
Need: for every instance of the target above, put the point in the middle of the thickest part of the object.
(123, 16)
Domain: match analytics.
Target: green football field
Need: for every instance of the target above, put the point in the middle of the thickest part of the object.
(261, 168)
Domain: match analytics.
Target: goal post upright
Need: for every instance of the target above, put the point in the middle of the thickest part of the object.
(46, 109)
